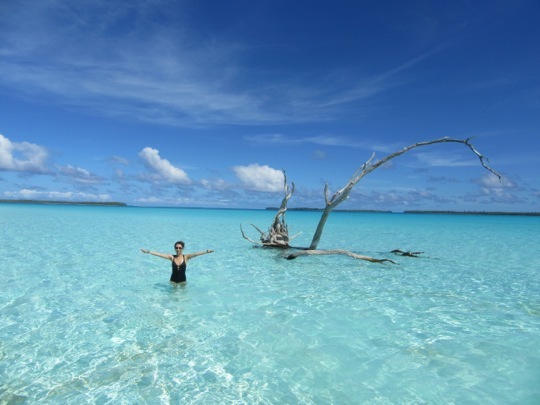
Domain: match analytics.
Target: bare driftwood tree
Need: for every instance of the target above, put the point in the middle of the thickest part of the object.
(278, 234)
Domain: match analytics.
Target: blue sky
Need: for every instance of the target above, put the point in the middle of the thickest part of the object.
(203, 103)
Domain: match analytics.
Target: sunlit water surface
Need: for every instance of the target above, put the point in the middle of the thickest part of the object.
(86, 318)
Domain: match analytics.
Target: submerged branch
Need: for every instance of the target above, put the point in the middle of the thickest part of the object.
(308, 252)
(408, 254)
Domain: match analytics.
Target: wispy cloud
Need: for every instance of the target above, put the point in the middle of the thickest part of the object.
(498, 191)
(159, 73)
(280, 139)
(79, 175)
(433, 159)
(55, 195)
(493, 183)
(319, 155)
(360, 87)
(155, 72)
(322, 140)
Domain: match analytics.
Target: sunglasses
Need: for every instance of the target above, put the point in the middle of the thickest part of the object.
(178, 248)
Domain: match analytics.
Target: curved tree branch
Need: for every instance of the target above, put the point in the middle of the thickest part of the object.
(245, 237)
(368, 167)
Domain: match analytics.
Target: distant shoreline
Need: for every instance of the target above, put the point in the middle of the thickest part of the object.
(336, 210)
(108, 204)
(121, 204)
(531, 214)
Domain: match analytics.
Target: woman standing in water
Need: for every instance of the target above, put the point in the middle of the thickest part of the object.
(179, 260)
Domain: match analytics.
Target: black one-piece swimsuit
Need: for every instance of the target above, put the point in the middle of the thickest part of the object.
(178, 271)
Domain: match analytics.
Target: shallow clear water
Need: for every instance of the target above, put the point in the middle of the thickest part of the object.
(86, 318)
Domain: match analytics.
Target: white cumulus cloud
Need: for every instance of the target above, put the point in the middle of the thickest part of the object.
(22, 156)
(260, 178)
(162, 167)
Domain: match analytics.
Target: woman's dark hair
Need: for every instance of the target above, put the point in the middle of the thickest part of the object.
(180, 242)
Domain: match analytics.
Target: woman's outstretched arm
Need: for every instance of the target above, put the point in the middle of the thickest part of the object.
(162, 255)
(192, 255)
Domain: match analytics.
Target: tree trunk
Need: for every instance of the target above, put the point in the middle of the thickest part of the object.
(320, 227)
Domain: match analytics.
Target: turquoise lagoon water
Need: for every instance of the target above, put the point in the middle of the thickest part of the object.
(86, 318)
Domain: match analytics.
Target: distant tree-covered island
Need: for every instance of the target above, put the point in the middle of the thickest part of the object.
(419, 211)
(108, 204)
(321, 209)
(473, 212)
